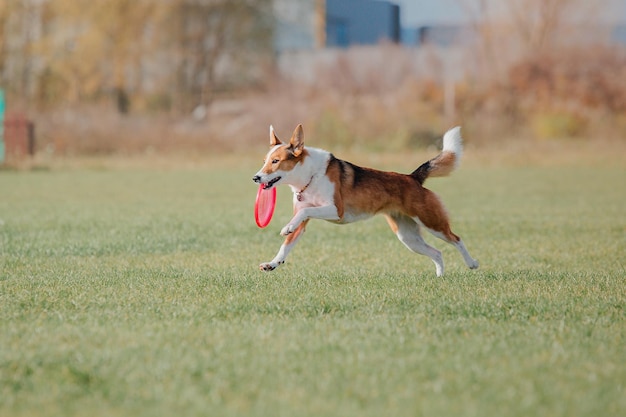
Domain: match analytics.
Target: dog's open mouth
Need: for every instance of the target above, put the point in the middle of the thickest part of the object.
(271, 183)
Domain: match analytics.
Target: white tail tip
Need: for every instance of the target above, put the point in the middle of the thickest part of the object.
(453, 142)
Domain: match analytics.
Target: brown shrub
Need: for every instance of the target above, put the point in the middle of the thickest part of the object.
(588, 77)
(387, 100)
(573, 92)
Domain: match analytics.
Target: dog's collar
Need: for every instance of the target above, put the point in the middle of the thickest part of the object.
(299, 193)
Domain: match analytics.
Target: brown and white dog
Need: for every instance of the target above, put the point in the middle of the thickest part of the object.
(331, 189)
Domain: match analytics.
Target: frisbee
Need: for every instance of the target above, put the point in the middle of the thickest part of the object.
(264, 206)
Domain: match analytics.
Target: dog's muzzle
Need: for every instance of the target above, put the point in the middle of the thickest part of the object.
(269, 184)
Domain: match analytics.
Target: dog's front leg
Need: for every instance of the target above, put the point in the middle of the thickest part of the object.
(324, 213)
(285, 248)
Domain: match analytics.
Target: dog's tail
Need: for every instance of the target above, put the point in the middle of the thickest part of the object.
(447, 161)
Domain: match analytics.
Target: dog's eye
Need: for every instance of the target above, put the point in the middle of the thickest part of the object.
(275, 161)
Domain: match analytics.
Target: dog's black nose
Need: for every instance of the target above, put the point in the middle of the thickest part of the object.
(256, 178)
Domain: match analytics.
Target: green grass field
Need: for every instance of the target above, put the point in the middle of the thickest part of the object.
(135, 291)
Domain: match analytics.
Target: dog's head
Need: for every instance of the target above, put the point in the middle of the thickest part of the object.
(281, 159)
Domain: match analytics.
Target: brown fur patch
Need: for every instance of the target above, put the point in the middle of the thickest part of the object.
(366, 190)
(285, 158)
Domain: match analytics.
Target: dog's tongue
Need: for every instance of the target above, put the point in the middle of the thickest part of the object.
(270, 183)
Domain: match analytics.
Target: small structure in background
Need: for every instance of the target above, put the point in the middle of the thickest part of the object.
(17, 135)
(2, 108)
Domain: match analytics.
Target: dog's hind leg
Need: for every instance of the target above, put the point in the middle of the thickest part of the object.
(285, 248)
(435, 220)
(408, 231)
(469, 261)
(447, 236)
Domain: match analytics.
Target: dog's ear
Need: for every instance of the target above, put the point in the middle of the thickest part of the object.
(273, 138)
(297, 141)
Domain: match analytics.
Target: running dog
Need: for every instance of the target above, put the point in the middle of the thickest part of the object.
(325, 187)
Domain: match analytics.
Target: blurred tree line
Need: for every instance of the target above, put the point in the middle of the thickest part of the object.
(157, 54)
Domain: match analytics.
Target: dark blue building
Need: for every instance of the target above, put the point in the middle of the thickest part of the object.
(361, 22)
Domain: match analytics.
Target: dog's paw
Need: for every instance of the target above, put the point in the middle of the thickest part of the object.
(269, 266)
(474, 264)
(287, 230)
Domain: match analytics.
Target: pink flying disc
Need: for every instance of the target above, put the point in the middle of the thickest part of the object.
(264, 206)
